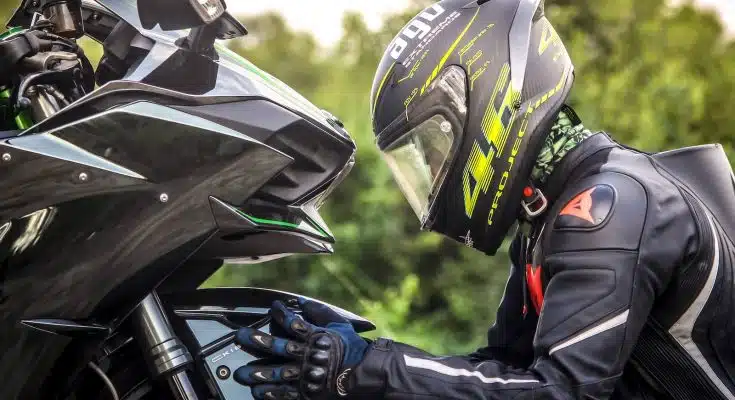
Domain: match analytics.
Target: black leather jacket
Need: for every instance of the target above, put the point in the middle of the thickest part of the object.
(632, 270)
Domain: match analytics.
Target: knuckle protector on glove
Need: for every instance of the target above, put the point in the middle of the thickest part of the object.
(321, 365)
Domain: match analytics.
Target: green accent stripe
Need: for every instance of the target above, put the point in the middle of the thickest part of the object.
(263, 221)
(284, 224)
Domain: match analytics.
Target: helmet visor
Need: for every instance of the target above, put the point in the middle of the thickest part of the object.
(418, 161)
(420, 146)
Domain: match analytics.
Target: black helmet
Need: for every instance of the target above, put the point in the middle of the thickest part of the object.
(461, 104)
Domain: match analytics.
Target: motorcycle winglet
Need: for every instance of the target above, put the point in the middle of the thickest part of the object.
(68, 328)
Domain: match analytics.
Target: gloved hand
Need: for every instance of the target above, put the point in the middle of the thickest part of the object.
(313, 366)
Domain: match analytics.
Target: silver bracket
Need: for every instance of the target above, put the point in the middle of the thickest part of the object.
(538, 196)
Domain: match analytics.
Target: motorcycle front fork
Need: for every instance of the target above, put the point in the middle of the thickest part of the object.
(166, 355)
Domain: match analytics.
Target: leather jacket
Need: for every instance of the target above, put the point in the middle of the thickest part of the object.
(625, 291)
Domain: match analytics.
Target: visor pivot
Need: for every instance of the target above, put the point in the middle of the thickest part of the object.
(446, 127)
(534, 202)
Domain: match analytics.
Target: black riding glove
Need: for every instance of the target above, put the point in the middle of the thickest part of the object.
(314, 366)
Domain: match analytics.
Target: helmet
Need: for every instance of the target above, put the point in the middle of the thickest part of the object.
(462, 101)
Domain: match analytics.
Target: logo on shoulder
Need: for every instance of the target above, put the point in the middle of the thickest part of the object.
(588, 209)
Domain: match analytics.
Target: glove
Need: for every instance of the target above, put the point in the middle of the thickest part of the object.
(314, 366)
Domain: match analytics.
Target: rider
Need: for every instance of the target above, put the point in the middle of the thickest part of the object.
(622, 267)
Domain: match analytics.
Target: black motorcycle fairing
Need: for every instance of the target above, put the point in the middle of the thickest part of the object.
(116, 93)
(318, 164)
(174, 76)
(113, 195)
(315, 161)
(215, 108)
(87, 229)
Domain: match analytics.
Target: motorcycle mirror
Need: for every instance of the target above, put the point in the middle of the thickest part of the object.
(179, 14)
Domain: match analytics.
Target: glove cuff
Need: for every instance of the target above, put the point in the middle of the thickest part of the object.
(369, 377)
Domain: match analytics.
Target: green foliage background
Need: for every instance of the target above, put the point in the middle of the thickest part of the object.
(654, 75)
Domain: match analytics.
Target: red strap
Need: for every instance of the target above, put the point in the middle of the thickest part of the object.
(535, 286)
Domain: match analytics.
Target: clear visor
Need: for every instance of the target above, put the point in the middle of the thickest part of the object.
(420, 157)
(418, 161)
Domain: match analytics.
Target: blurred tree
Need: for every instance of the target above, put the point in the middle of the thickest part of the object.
(657, 77)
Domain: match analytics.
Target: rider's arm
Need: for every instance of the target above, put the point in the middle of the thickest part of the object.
(510, 339)
(603, 284)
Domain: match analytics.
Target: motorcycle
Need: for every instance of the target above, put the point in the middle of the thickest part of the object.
(126, 187)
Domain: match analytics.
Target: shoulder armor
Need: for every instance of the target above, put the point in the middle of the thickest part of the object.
(604, 211)
(588, 210)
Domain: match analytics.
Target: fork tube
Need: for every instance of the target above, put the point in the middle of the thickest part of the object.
(165, 353)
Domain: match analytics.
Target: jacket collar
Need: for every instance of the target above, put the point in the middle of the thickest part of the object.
(569, 167)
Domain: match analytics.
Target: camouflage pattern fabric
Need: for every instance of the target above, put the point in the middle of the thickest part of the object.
(564, 136)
